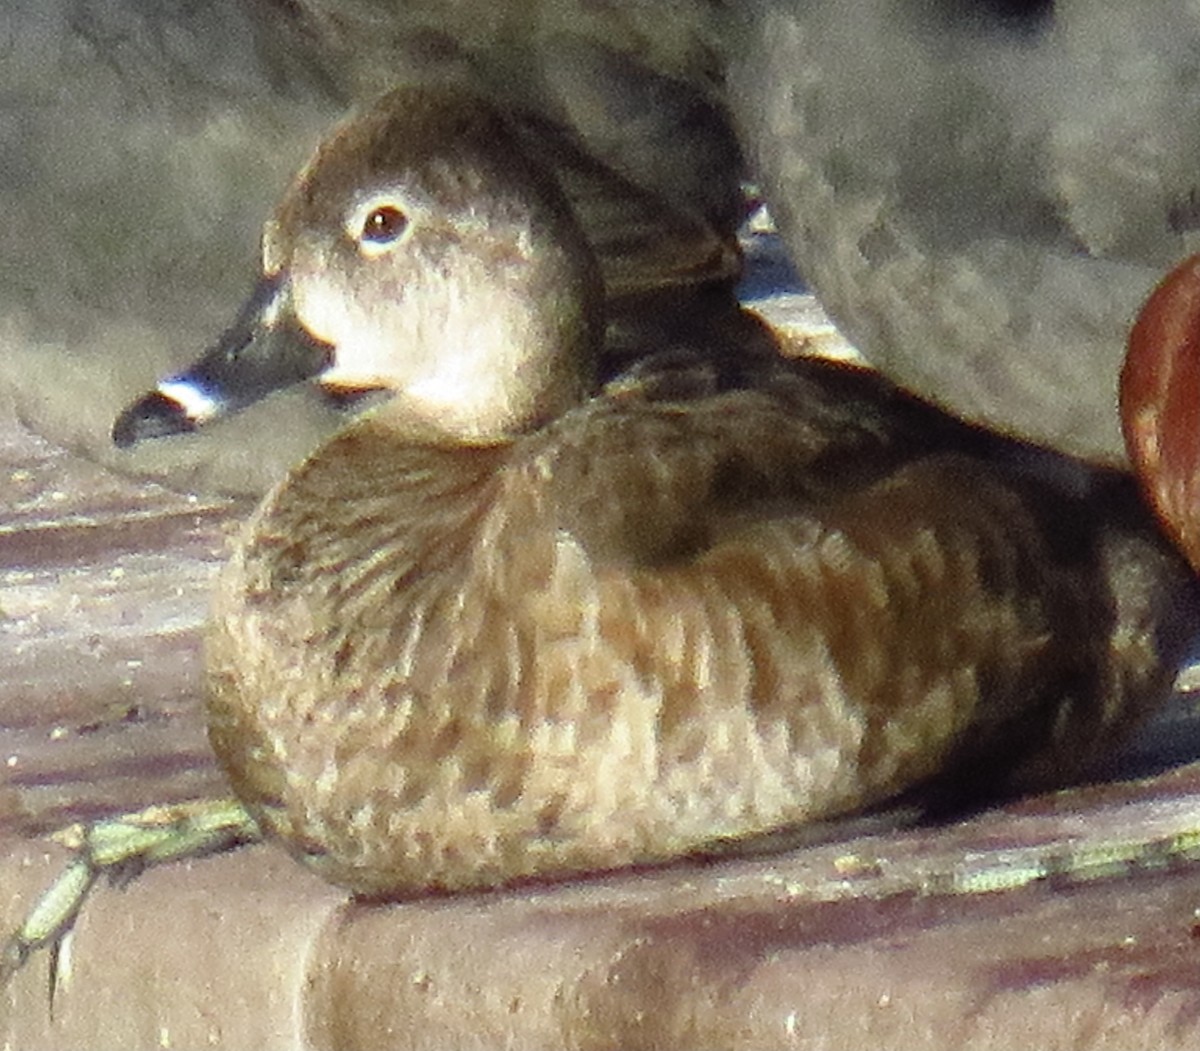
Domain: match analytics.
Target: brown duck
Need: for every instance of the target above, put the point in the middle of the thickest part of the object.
(508, 625)
(1160, 411)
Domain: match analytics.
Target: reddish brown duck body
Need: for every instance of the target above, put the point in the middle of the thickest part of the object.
(505, 627)
(1160, 403)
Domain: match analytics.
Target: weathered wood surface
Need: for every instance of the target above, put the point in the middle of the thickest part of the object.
(103, 585)
(867, 942)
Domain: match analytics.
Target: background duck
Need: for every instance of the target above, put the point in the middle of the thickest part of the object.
(981, 193)
(499, 629)
(1159, 404)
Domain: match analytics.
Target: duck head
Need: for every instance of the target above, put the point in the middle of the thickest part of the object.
(418, 225)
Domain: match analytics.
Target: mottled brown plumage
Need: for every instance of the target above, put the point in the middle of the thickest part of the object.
(498, 629)
(650, 626)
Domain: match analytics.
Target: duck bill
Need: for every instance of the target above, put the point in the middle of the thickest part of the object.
(263, 351)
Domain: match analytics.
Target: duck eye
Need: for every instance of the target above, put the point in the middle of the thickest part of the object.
(383, 225)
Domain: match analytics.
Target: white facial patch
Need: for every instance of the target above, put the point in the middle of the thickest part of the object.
(364, 353)
(270, 311)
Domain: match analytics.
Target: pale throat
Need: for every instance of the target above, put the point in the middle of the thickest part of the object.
(480, 368)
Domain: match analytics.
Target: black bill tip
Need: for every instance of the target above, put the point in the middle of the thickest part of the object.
(154, 416)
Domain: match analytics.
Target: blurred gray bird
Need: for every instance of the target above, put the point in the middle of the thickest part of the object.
(982, 192)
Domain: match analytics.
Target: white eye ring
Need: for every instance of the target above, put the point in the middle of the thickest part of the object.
(378, 225)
